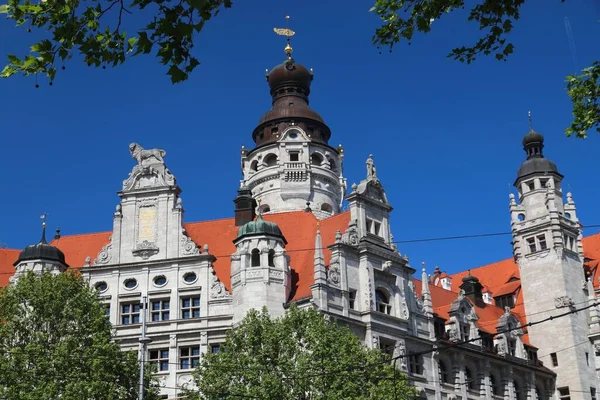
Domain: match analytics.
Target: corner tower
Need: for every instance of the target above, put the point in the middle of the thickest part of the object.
(292, 163)
(547, 247)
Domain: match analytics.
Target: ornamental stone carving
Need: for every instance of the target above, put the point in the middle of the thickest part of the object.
(386, 266)
(145, 250)
(350, 237)
(563, 301)
(150, 171)
(333, 274)
(188, 246)
(217, 289)
(105, 254)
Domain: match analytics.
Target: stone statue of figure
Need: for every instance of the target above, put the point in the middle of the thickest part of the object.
(371, 170)
(146, 157)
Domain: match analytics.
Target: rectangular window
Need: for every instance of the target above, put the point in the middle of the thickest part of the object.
(543, 183)
(190, 307)
(512, 347)
(487, 342)
(439, 327)
(387, 348)
(505, 301)
(554, 358)
(531, 245)
(465, 331)
(564, 393)
(351, 298)
(160, 310)
(130, 313)
(415, 364)
(593, 393)
(587, 358)
(161, 358)
(377, 227)
(189, 357)
(215, 348)
(542, 242)
(107, 311)
(532, 356)
(294, 156)
(369, 225)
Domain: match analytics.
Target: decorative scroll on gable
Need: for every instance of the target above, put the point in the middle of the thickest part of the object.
(217, 289)
(105, 255)
(187, 246)
(150, 171)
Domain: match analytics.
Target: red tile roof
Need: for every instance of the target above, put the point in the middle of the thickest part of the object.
(299, 227)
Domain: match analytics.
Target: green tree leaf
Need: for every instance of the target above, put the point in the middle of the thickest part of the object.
(56, 344)
(298, 356)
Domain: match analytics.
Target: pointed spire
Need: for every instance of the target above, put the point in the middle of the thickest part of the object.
(427, 303)
(530, 123)
(319, 258)
(43, 239)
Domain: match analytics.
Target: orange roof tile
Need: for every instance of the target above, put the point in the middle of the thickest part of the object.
(510, 287)
(298, 227)
(7, 258)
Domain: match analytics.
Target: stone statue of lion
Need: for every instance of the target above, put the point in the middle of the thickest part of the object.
(140, 154)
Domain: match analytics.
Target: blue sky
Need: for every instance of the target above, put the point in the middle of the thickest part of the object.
(446, 137)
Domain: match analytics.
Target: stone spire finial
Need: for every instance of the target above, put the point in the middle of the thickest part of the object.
(427, 303)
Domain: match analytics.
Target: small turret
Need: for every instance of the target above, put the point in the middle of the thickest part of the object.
(260, 272)
(40, 257)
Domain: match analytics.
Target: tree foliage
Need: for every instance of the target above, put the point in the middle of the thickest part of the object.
(55, 343)
(300, 356)
(402, 19)
(95, 29)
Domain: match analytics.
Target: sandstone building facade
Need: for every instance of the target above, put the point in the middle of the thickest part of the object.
(290, 240)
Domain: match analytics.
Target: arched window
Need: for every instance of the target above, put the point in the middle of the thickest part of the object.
(471, 380)
(382, 302)
(538, 393)
(255, 258)
(496, 384)
(445, 373)
(316, 159)
(265, 208)
(254, 166)
(271, 258)
(325, 207)
(270, 160)
(519, 394)
(332, 164)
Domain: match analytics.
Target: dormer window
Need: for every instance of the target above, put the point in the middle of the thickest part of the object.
(446, 283)
(294, 156)
(505, 301)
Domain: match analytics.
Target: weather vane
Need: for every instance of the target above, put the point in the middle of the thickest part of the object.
(288, 33)
(43, 217)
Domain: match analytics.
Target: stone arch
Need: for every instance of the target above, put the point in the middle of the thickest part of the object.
(316, 159)
(327, 208)
(254, 166)
(270, 160)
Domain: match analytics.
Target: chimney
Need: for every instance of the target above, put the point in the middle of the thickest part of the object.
(472, 288)
(245, 206)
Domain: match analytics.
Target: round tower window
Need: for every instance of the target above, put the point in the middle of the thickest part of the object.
(293, 135)
(130, 283)
(101, 286)
(160, 280)
(189, 277)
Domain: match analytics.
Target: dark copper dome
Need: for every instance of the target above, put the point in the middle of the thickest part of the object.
(289, 84)
(290, 73)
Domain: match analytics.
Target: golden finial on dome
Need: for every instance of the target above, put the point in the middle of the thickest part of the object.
(288, 33)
